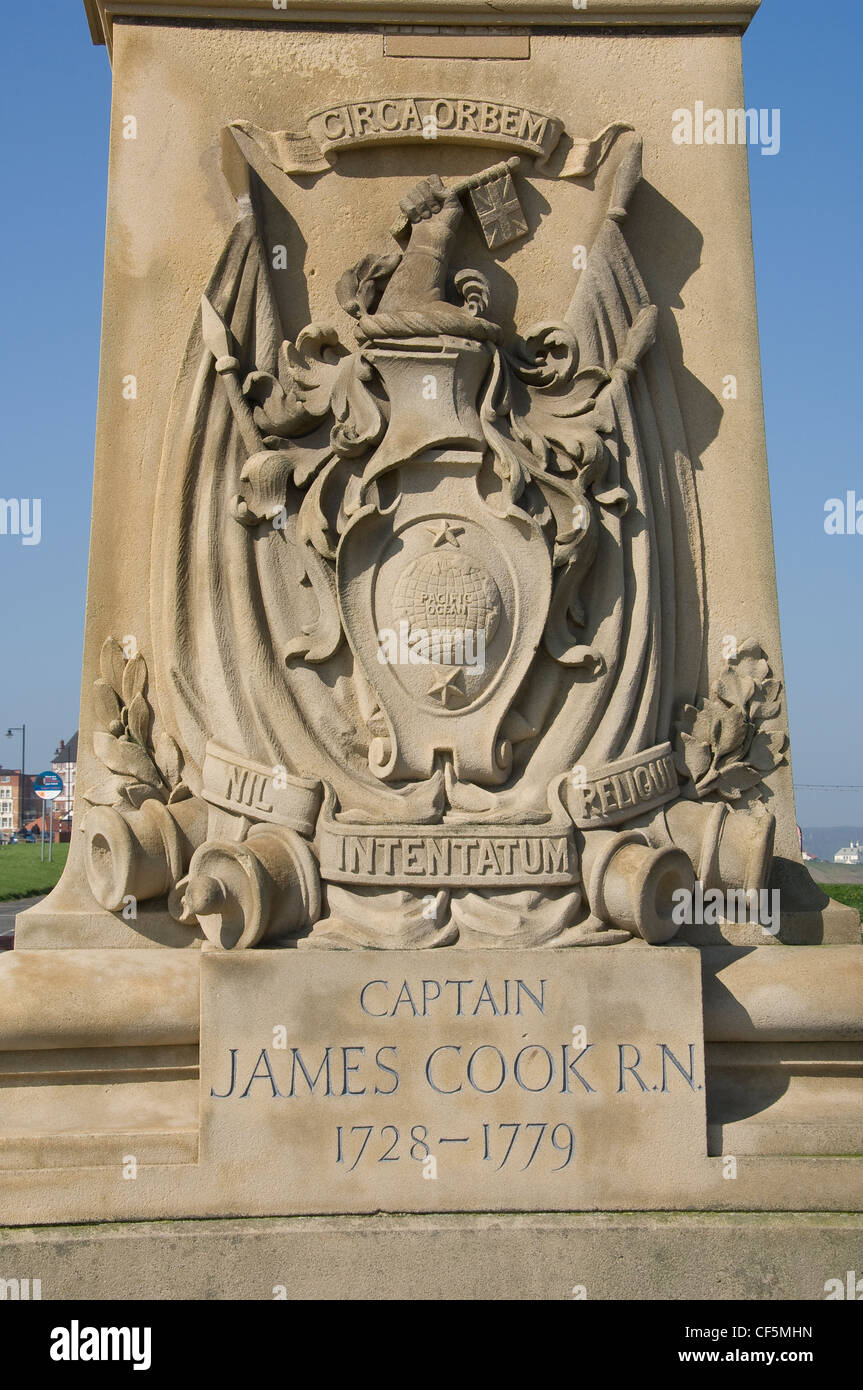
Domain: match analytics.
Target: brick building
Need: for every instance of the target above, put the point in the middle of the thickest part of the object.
(14, 815)
(63, 763)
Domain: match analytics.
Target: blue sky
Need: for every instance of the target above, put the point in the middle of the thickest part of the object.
(807, 207)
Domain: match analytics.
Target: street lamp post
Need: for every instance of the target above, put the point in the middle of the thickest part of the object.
(22, 730)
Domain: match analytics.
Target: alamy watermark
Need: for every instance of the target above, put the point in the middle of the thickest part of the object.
(843, 516)
(415, 646)
(77, 1343)
(709, 907)
(848, 1288)
(21, 517)
(20, 1290)
(711, 126)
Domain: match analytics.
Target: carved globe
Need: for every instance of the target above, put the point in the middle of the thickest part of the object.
(447, 592)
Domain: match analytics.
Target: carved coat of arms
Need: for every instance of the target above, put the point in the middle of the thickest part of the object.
(427, 608)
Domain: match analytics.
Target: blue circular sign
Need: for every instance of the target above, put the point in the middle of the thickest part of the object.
(48, 785)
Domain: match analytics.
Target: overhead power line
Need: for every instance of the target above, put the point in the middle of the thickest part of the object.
(825, 787)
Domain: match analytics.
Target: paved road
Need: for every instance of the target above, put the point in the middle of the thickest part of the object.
(836, 873)
(8, 913)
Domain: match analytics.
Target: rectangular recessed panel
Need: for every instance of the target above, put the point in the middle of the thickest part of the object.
(453, 1080)
(785, 1098)
(457, 45)
(99, 1150)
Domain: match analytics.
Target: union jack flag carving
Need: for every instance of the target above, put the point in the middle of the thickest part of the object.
(499, 211)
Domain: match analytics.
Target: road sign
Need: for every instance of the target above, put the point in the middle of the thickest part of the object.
(48, 785)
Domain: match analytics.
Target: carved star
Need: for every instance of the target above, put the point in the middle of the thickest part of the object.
(447, 690)
(444, 533)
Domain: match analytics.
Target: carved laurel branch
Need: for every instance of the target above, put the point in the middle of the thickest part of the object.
(723, 744)
(139, 769)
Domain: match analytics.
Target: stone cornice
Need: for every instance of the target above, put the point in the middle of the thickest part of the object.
(731, 14)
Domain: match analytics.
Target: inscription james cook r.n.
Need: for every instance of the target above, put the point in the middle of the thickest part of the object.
(452, 1067)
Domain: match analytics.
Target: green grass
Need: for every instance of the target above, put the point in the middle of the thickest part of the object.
(849, 893)
(22, 874)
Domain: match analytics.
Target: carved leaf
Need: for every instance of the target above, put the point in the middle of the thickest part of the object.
(308, 463)
(474, 290)
(136, 793)
(615, 499)
(714, 713)
(112, 664)
(512, 462)
(734, 689)
(106, 706)
(310, 367)
(694, 756)
(576, 438)
(138, 720)
(750, 649)
(312, 525)
(549, 356)
(134, 678)
(751, 661)
(126, 759)
(533, 441)
(760, 711)
(727, 726)
(323, 637)
(359, 421)
(168, 758)
(264, 481)
(566, 610)
(767, 750)
(276, 410)
(359, 287)
(317, 347)
(731, 731)
(703, 724)
(736, 779)
(688, 716)
(106, 793)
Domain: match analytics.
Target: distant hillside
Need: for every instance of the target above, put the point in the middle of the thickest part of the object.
(824, 841)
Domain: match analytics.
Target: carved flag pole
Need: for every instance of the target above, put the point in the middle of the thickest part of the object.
(495, 202)
(220, 342)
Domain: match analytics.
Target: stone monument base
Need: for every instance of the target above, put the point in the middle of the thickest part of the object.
(183, 1085)
(599, 1255)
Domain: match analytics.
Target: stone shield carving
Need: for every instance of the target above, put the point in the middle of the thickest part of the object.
(427, 604)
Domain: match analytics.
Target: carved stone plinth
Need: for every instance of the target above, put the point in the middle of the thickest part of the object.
(435, 846)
